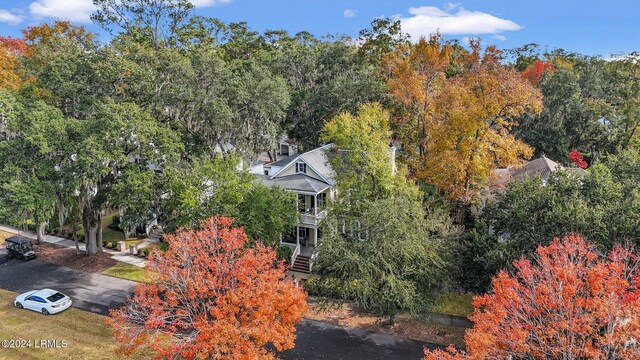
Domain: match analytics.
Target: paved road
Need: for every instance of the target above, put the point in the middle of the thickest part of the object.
(97, 293)
(319, 340)
(92, 292)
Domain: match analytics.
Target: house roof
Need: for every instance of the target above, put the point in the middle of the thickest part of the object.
(298, 182)
(317, 159)
(282, 162)
(541, 167)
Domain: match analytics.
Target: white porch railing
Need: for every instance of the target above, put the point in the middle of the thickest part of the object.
(294, 255)
(310, 218)
(150, 226)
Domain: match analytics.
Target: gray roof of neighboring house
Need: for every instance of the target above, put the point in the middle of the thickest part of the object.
(282, 162)
(298, 182)
(541, 166)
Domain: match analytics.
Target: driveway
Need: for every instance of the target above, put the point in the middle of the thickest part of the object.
(92, 292)
(97, 293)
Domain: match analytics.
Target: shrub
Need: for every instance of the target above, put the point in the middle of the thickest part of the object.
(163, 246)
(284, 253)
(115, 224)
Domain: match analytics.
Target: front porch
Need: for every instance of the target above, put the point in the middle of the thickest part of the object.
(303, 242)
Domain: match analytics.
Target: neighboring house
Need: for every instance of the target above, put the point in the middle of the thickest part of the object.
(310, 176)
(541, 167)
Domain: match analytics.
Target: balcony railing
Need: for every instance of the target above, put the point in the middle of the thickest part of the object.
(312, 218)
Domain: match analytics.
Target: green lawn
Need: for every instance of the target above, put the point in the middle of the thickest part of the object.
(126, 271)
(109, 234)
(86, 334)
(454, 304)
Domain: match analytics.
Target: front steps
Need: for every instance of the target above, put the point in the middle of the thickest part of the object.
(301, 264)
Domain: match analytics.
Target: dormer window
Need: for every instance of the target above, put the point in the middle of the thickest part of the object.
(301, 167)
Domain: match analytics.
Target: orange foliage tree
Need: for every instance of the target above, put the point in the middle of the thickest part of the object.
(211, 296)
(10, 51)
(456, 114)
(60, 29)
(568, 303)
(415, 74)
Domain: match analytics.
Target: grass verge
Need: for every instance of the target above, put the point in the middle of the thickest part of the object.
(3, 236)
(86, 334)
(454, 304)
(127, 272)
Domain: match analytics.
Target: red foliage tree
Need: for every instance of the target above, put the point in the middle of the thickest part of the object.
(16, 46)
(535, 71)
(576, 158)
(211, 296)
(568, 303)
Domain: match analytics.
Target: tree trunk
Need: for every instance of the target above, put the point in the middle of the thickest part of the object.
(74, 235)
(91, 224)
(99, 232)
(62, 214)
(40, 232)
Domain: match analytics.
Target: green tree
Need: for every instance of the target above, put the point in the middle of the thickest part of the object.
(384, 36)
(385, 259)
(603, 205)
(116, 140)
(267, 213)
(201, 188)
(327, 77)
(32, 132)
(155, 20)
(590, 104)
(366, 166)
(137, 197)
(381, 248)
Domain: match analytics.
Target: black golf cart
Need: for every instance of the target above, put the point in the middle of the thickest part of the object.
(20, 247)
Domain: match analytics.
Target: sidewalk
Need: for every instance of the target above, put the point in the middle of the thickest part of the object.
(55, 240)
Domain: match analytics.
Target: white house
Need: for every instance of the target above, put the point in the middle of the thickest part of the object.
(310, 176)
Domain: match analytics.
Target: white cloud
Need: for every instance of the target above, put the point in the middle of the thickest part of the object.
(349, 13)
(205, 3)
(73, 10)
(7, 17)
(499, 37)
(452, 20)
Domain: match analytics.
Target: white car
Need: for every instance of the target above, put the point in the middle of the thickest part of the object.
(45, 301)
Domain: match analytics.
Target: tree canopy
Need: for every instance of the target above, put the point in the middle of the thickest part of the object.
(211, 297)
(567, 302)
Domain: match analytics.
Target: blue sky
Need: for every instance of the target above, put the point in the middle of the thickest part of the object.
(595, 27)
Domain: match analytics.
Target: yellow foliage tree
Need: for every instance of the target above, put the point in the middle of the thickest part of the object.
(462, 131)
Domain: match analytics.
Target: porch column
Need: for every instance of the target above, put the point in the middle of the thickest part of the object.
(315, 236)
(298, 235)
(315, 205)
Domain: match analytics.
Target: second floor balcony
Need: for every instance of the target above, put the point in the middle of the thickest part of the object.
(312, 217)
